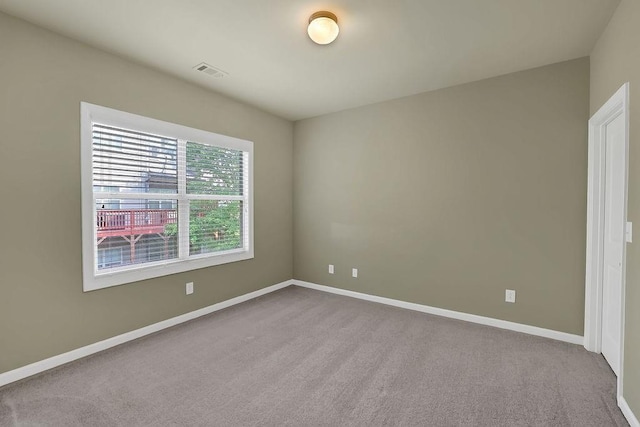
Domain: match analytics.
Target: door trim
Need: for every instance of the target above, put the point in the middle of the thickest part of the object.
(617, 105)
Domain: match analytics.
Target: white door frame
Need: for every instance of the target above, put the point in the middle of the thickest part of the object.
(614, 107)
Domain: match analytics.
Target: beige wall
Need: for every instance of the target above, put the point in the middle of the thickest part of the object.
(614, 61)
(448, 198)
(43, 78)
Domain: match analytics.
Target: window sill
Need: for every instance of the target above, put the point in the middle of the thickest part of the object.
(122, 276)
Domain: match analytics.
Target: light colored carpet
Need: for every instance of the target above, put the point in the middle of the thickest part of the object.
(300, 357)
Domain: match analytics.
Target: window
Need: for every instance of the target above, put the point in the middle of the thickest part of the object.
(160, 198)
(109, 257)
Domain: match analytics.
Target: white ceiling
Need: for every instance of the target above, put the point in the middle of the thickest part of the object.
(386, 48)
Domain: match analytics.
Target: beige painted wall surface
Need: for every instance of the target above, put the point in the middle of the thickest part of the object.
(43, 78)
(450, 197)
(614, 61)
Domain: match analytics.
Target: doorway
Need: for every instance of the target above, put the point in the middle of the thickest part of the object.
(607, 230)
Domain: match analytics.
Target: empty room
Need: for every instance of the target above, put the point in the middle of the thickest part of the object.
(320, 213)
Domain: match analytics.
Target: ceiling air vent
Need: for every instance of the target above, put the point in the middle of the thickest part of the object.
(212, 71)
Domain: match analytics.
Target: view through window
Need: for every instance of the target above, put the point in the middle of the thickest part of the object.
(160, 198)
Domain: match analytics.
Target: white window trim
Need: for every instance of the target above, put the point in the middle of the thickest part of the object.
(92, 279)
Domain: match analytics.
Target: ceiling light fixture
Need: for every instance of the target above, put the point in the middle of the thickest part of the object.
(323, 27)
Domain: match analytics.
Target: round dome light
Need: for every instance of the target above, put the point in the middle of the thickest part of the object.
(323, 27)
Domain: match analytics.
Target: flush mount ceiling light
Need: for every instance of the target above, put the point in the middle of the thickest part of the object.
(323, 27)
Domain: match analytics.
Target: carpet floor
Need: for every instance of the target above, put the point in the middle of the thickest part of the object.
(299, 357)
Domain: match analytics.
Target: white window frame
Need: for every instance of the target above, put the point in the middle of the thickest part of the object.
(94, 279)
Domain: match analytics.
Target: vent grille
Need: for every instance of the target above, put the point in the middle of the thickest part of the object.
(210, 70)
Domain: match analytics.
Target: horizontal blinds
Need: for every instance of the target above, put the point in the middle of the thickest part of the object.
(133, 162)
(207, 216)
(214, 170)
(217, 224)
(132, 231)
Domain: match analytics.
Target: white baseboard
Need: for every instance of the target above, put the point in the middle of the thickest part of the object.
(628, 413)
(70, 356)
(502, 324)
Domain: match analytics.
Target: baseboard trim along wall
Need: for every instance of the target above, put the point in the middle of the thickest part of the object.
(497, 323)
(628, 413)
(61, 359)
(70, 356)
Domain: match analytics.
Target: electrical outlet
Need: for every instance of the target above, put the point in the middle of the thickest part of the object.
(189, 288)
(354, 272)
(510, 295)
(331, 270)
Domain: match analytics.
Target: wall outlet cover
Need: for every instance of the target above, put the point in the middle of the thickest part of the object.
(510, 295)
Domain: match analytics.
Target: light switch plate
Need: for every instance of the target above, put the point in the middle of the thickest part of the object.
(331, 269)
(629, 232)
(189, 288)
(354, 272)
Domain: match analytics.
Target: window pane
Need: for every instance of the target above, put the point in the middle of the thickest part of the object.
(214, 226)
(110, 257)
(135, 232)
(214, 170)
(129, 161)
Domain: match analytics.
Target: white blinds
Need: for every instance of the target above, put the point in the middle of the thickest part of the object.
(159, 198)
(214, 170)
(216, 189)
(129, 161)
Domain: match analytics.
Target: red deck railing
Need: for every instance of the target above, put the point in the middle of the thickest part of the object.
(130, 222)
